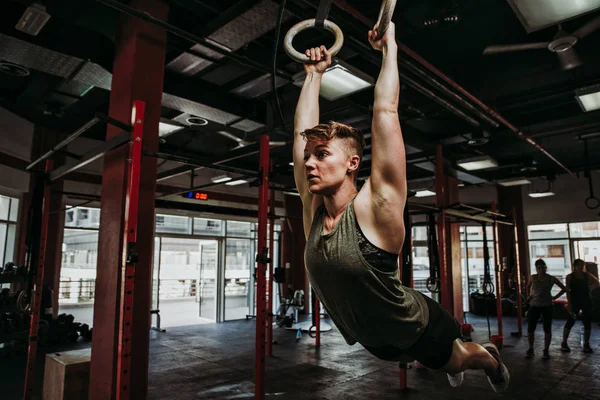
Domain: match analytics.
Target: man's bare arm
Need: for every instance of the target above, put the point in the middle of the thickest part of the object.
(388, 168)
(306, 117)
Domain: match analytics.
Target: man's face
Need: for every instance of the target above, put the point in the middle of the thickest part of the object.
(578, 267)
(327, 165)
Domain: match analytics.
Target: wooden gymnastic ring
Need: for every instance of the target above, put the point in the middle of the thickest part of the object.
(385, 16)
(310, 23)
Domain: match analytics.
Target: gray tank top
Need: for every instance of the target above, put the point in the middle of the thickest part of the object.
(541, 291)
(367, 305)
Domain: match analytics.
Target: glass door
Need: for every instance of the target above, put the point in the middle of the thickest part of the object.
(186, 288)
(206, 293)
(239, 266)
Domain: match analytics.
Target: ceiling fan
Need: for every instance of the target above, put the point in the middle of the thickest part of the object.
(562, 45)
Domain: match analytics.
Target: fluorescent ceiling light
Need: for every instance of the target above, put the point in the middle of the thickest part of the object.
(537, 195)
(477, 163)
(589, 98)
(166, 129)
(235, 183)
(33, 19)
(220, 179)
(292, 163)
(514, 182)
(339, 80)
(424, 193)
(539, 14)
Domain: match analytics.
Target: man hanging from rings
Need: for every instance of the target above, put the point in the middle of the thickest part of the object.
(354, 237)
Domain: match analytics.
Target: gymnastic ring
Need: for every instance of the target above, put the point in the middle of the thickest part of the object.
(385, 16)
(310, 23)
(310, 331)
(592, 202)
(433, 284)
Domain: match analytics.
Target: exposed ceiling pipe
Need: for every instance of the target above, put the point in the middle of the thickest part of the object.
(416, 57)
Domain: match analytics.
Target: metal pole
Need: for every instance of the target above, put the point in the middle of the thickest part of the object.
(84, 128)
(130, 256)
(518, 278)
(262, 260)
(317, 314)
(269, 351)
(467, 259)
(37, 290)
(498, 275)
(446, 284)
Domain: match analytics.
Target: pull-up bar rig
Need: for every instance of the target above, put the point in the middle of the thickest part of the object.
(457, 213)
(133, 135)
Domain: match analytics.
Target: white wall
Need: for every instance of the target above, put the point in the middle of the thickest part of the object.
(16, 137)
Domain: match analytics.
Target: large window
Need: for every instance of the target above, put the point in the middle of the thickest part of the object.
(559, 244)
(9, 211)
(420, 259)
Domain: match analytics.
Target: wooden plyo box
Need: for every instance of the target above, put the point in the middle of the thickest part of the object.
(67, 375)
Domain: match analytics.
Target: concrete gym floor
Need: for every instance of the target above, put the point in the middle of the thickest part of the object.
(216, 361)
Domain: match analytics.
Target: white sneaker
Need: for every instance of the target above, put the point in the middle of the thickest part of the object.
(500, 382)
(456, 380)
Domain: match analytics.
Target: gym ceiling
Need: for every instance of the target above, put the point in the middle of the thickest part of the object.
(68, 74)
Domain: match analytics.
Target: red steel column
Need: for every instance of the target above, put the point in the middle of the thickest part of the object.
(44, 140)
(130, 258)
(261, 269)
(449, 241)
(518, 273)
(138, 74)
(497, 274)
(37, 290)
(269, 351)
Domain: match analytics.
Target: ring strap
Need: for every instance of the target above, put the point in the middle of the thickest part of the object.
(322, 13)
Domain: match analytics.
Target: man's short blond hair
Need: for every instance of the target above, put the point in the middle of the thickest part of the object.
(353, 138)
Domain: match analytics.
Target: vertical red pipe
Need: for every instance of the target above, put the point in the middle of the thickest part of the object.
(130, 257)
(37, 292)
(446, 281)
(498, 274)
(261, 284)
(518, 277)
(269, 351)
(317, 314)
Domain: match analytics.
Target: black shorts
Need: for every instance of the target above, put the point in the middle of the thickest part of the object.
(434, 348)
(533, 316)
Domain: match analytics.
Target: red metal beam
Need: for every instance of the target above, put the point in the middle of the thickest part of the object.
(130, 256)
(269, 351)
(37, 292)
(498, 274)
(138, 73)
(261, 269)
(441, 189)
(518, 276)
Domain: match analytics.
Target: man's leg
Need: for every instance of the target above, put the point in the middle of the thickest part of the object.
(470, 356)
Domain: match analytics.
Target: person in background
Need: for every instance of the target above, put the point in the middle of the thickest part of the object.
(539, 295)
(579, 286)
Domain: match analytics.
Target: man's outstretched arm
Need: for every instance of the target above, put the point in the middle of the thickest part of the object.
(388, 165)
(306, 117)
